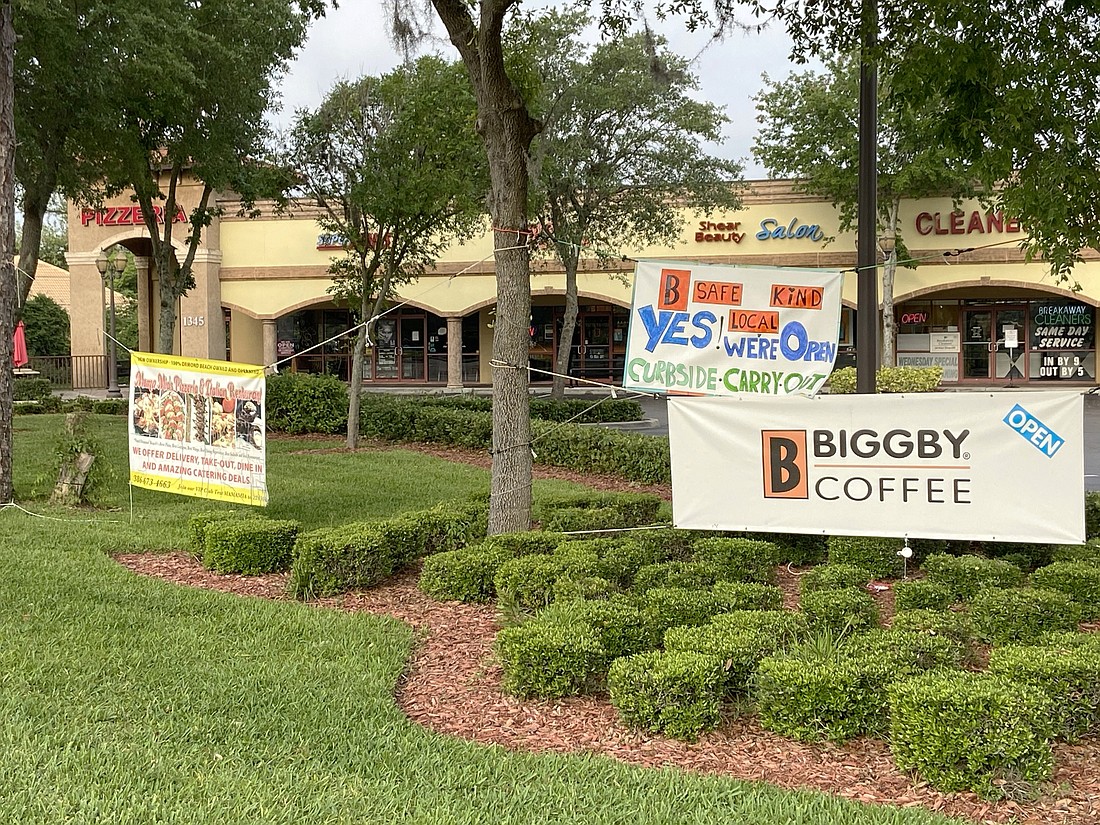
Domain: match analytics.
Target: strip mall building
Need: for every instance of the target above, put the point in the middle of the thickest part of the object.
(262, 296)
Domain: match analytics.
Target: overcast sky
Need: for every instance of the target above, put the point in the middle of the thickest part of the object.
(351, 41)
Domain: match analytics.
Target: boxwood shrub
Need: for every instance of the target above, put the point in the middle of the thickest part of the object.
(633, 456)
(464, 575)
(840, 611)
(1077, 579)
(674, 692)
(1021, 614)
(965, 576)
(584, 519)
(690, 574)
(738, 559)
(945, 623)
(800, 549)
(834, 577)
(785, 625)
(550, 659)
(526, 583)
(1088, 552)
(739, 651)
(635, 509)
(970, 731)
(1069, 677)
(878, 556)
(665, 607)
(302, 403)
(889, 379)
(196, 527)
(528, 542)
(626, 556)
(922, 595)
(747, 596)
(249, 546)
(574, 587)
(618, 625)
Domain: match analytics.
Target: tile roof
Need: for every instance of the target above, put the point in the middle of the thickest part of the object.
(52, 281)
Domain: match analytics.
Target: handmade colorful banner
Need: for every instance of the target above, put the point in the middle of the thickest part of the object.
(197, 428)
(702, 329)
(995, 467)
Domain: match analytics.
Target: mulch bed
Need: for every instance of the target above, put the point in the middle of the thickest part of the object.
(453, 686)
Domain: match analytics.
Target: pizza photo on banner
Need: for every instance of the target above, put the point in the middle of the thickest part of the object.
(705, 329)
(197, 428)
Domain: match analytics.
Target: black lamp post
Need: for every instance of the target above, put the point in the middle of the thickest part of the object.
(867, 344)
(111, 267)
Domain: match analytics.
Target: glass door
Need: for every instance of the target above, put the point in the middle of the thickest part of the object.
(385, 349)
(594, 351)
(413, 352)
(977, 326)
(995, 343)
(1008, 361)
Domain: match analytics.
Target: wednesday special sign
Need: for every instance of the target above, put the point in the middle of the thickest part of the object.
(724, 330)
(197, 428)
(996, 467)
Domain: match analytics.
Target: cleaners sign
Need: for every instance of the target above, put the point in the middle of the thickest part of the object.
(951, 466)
(723, 330)
(197, 428)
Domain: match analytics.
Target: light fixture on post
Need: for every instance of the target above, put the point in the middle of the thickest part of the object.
(887, 244)
(108, 268)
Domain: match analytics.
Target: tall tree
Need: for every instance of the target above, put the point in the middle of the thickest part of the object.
(7, 244)
(621, 152)
(808, 131)
(397, 171)
(506, 128)
(209, 126)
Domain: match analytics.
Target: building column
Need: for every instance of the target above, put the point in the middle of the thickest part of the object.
(270, 336)
(454, 352)
(144, 304)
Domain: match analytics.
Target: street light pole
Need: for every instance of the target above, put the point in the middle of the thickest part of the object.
(867, 343)
(110, 267)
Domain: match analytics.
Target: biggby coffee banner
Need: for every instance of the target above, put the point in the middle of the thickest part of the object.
(197, 428)
(991, 466)
(725, 330)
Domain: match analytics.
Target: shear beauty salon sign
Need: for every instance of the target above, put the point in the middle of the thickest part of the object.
(1003, 466)
(197, 428)
(723, 330)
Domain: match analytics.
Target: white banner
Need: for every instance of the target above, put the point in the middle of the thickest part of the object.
(1006, 466)
(197, 427)
(702, 329)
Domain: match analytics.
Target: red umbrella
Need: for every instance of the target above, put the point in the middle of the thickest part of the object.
(19, 355)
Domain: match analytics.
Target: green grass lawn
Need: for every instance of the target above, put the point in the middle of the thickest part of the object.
(127, 700)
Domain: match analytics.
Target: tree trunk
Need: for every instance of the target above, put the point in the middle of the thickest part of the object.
(7, 245)
(35, 204)
(568, 325)
(889, 271)
(166, 324)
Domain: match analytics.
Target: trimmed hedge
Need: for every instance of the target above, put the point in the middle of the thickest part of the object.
(619, 626)
(1021, 614)
(635, 509)
(834, 577)
(249, 546)
(302, 403)
(944, 623)
(889, 379)
(526, 583)
(690, 574)
(878, 556)
(840, 611)
(965, 576)
(922, 595)
(738, 559)
(1079, 580)
(674, 692)
(747, 596)
(782, 624)
(1069, 677)
(550, 659)
(585, 520)
(739, 650)
(623, 559)
(464, 575)
(196, 527)
(665, 607)
(970, 731)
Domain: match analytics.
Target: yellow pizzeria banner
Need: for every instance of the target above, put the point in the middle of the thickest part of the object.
(197, 428)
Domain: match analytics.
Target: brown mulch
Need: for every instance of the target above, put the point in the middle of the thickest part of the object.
(453, 686)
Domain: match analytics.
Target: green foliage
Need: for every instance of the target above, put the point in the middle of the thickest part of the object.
(78, 438)
(889, 379)
(922, 594)
(386, 418)
(584, 519)
(627, 556)
(665, 607)
(738, 559)
(46, 325)
(694, 575)
(577, 587)
(1068, 676)
(31, 389)
(196, 527)
(840, 611)
(1021, 614)
(965, 576)
(464, 575)
(782, 624)
(634, 509)
(1079, 580)
(527, 542)
(739, 651)
(673, 692)
(945, 623)
(302, 403)
(797, 548)
(907, 651)
(633, 456)
(970, 731)
(550, 659)
(747, 596)
(1087, 552)
(879, 556)
(355, 556)
(526, 583)
(834, 577)
(250, 546)
(619, 626)
(1092, 515)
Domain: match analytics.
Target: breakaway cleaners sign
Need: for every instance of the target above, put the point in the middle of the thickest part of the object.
(723, 330)
(996, 467)
(197, 428)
